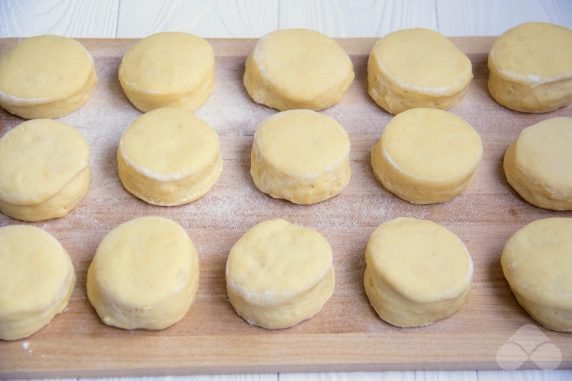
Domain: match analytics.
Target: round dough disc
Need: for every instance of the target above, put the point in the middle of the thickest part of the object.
(530, 68)
(536, 262)
(169, 157)
(297, 68)
(44, 170)
(417, 272)
(426, 155)
(417, 68)
(36, 280)
(145, 274)
(301, 156)
(279, 274)
(168, 69)
(45, 77)
(537, 164)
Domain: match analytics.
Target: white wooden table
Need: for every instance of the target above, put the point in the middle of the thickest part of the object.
(253, 18)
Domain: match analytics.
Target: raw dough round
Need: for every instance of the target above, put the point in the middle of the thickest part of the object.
(36, 280)
(44, 170)
(45, 77)
(169, 157)
(145, 274)
(537, 263)
(530, 68)
(297, 68)
(537, 164)
(426, 155)
(279, 274)
(168, 69)
(417, 68)
(301, 156)
(417, 272)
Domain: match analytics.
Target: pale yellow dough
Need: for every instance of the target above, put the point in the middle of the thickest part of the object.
(297, 68)
(36, 280)
(417, 68)
(279, 274)
(44, 170)
(417, 272)
(537, 263)
(145, 274)
(168, 69)
(530, 68)
(426, 155)
(169, 157)
(537, 164)
(301, 156)
(45, 77)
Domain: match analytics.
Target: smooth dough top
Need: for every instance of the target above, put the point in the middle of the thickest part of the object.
(431, 144)
(145, 260)
(44, 68)
(276, 261)
(301, 63)
(421, 259)
(168, 62)
(169, 144)
(544, 152)
(537, 261)
(34, 268)
(37, 159)
(534, 53)
(422, 60)
(302, 142)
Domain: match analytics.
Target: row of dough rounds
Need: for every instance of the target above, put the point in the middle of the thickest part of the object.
(530, 71)
(145, 274)
(169, 157)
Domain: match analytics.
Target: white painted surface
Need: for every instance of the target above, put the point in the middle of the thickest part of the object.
(254, 18)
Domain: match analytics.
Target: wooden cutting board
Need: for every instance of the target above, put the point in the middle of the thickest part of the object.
(346, 335)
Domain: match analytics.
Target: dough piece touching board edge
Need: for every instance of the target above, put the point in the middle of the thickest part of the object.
(537, 164)
(36, 280)
(45, 77)
(297, 69)
(414, 68)
(530, 68)
(44, 170)
(536, 262)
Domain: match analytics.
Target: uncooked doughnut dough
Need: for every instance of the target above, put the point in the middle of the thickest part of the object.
(297, 68)
(530, 68)
(44, 170)
(417, 68)
(301, 156)
(36, 280)
(145, 274)
(45, 77)
(426, 155)
(279, 274)
(168, 69)
(537, 263)
(169, 157)
(537, 164)
(417, 272)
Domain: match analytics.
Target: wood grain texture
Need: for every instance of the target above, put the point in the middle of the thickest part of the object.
(492, 17)
(77, 18)
(346, 335)
(357, 18)
(217, 18)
